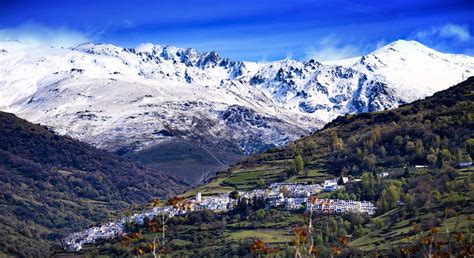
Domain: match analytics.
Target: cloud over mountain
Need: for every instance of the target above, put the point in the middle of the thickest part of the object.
(37, 34)
(448, 31)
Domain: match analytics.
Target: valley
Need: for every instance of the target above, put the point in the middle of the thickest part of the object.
(53, 185)
(134, 101)
(413, 162)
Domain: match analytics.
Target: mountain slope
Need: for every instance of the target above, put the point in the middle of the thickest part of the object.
(51, 185)
(414, 70)
(436, 131)
(129, 100)
(420, 147)
(421, 211)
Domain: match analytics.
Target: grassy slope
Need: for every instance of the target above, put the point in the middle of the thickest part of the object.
(390, 234)
(444, 106)
(211, 238)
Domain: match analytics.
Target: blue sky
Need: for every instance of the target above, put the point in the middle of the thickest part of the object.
(245, 30)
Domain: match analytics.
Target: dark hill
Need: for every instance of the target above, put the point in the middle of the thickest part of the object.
(51, 185)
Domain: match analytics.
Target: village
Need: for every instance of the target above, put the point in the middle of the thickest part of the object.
(287, 196)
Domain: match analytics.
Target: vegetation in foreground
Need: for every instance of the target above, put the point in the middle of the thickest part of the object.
(421, 211)
(435, 223)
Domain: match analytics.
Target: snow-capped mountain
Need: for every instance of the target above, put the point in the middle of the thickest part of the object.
(125, 99)
(115, 97)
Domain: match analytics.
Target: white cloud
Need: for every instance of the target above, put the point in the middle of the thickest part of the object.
(455, 31)
(330, 48)
(448, 31)
(37, 34)
(380, 43)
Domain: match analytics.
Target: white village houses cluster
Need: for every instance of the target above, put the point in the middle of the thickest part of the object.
(287, 196)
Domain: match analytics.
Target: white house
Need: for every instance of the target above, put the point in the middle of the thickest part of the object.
(345, 179)
(217, 203)
(330, 185)
(342, 206)
(198, 197)
(295, 203)
(464, 164)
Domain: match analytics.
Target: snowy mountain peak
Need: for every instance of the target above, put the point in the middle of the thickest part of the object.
(147, 48)
(120, 98)
(99, 49)
(413, 69)
(405, 45)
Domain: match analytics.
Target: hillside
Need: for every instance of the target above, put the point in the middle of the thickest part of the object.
(135, 101)
(424, 202)
(434, 131)
(52, 185)
(419, 145)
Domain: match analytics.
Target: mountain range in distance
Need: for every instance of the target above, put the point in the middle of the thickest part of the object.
(152, 102)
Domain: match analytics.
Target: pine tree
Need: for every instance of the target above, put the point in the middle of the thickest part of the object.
(382, 151)
(406, 172)
(389, 198)
(359, 154)
(298, 164)
(311, 145)
(409, 147)
(336, 142)
(432, 159)
(419, 149)
(370, 161)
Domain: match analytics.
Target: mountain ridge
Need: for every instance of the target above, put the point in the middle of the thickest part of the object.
(412, 162)
(121, 98)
